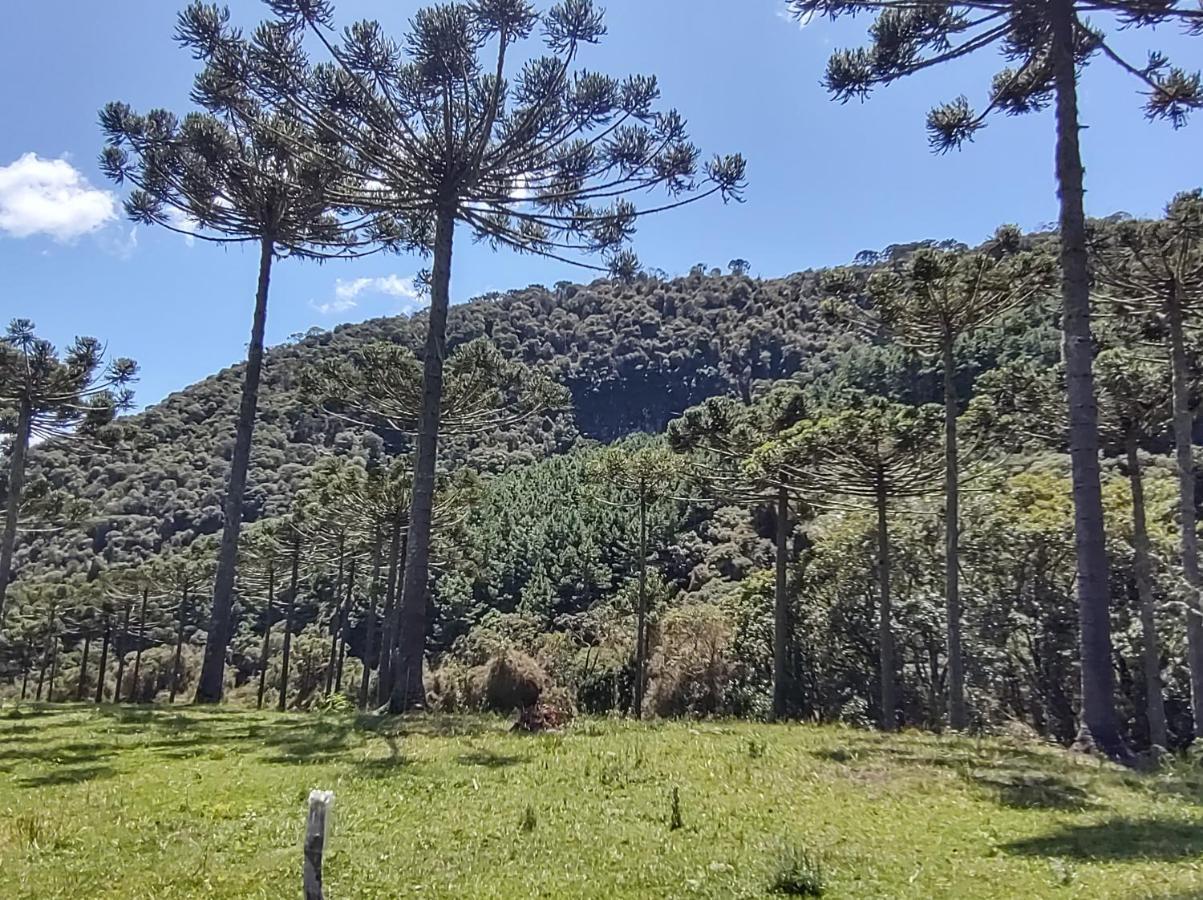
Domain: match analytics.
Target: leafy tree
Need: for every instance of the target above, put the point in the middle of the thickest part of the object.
(235, 171)
(931, 303)
(1050, 42)
(739, 266)
(726, 434)
(544, 163)
(1152, 272)
(49, 397)
(641, 477)
(866, 448)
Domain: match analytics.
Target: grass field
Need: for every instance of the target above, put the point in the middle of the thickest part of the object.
(163, 803)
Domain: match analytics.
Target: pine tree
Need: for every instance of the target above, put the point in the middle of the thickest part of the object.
(546, 161)
(51, 397)
(1050, 42)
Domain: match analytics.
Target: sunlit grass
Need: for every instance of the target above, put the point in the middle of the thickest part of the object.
(162, 803)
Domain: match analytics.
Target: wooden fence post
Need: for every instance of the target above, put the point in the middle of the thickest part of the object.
(320, 805)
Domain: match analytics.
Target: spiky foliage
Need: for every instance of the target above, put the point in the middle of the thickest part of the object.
(545, 161)
(1048, 45)
(864, 448)
(721, 436)
(929, 303)
(237, 170)
(639, 477)
(47, 396)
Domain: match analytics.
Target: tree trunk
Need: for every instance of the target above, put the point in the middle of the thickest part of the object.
(16, 483)
(409, 690)
(83, 668)
(335, 615)
(102, 672)
(286, 652)
(24, 682)
(958, 714)
(53, 669)
(1189, 539)
(781, 621)
(370, 621)
(342, 627)
(1094, 604)
(391, 618)
(641, 614)
(133, 691)
(885, 628)
(181, 617)
(120, 648)
(212, 677)
(1151, 652)
(267, 630)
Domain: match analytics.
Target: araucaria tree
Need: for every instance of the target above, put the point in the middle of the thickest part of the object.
(723, 435)
(546, 160)
(234, 171)
(641, 477)
(1048, 44)
(865, 448)
(51, 396)
(928, 304)
(1151, 273)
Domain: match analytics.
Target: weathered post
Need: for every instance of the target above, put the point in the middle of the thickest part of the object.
(320, 805)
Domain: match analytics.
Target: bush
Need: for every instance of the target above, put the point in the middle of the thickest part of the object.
(689, 670)
(509, 681)
(798, 873)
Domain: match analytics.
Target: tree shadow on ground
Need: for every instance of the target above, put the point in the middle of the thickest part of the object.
(1117, 840)
(489, 760)
(61, 775)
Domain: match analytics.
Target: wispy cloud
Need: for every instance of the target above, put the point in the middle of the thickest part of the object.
(347, 293)
(51, 197)
(185, 223)
(784, 13)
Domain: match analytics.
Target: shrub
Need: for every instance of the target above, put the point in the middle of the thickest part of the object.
(798, 873)
(689, 669)
(508, 681)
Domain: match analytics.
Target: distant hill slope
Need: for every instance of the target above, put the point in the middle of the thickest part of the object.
(633, 355)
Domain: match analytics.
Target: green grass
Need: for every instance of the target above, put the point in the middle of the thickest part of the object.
(167, 803)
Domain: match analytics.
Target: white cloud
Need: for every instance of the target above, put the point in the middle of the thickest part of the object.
(183, 222)
(52, 197)
(347, 293)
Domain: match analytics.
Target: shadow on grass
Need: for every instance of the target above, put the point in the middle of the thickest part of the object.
(1118, 840)
(489, 760)
(66, 775)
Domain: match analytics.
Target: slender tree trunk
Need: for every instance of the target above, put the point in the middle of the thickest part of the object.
(958, 715)
(335, 616)
(370, 620)
(342, 627)
(120, 649)
(1189, 538)
(103, 671)
(83, 668)
(409, 689)
(1094, 603)
(1151, 651)
(391, 618)
(133, 691)
(885, 627)
(286, 652)
(641, 613)
(16, 484)
(212, 677)
(50, 638)
(53, 669)
(181, 621)
(781, 623)
(267, 630)
(24, 682)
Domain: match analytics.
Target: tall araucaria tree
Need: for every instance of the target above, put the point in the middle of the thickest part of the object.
(442, 132)
(723, 434)
(641, 477)
(929, 303)
(1049, 44)
(1151, 273)
(236, 171)
(48, 396)
(864, 448)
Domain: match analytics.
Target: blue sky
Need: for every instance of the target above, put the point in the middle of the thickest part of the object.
(825, 180)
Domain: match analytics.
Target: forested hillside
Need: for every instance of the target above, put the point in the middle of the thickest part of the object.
(632, 355)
